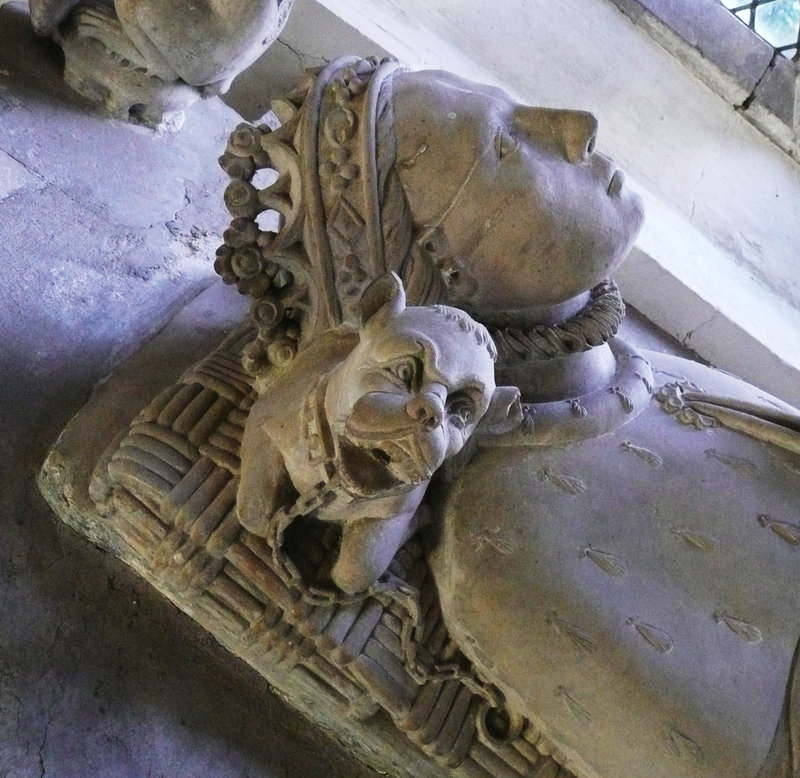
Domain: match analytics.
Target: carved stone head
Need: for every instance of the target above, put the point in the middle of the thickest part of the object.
(514, 198)
(502, 209)
(358, 423)
(411, 392)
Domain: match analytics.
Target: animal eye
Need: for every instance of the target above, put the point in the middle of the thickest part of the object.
(461, 411)
(404, 371)
(504, 142)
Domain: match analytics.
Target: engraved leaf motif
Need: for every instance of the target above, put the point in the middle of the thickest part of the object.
(578, 408)
(577, 637)
(685, 747)
(575, 708)
(494, 538)
(783, 529)
(607, 562)
(739, 465)
(695, 539)
(627, 403)
(743, 629)
(567, 483)
(650, 457)
(655, 636)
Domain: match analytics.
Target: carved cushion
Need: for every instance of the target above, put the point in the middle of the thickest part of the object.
(168, 494)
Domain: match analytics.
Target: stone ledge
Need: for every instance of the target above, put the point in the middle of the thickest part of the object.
(697, 293)
(706, 37)
(727, 55)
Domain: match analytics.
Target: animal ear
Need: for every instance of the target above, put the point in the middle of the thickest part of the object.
(504, 412)
(383, 299)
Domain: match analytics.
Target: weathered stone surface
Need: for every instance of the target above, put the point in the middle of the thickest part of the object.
(510, 212)
(147, 61)
(66, 483)
(100, 246)
(513, 215)
(14, 176)
(720, 190)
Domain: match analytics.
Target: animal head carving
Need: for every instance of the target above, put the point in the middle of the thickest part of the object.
(411, 393)
(382, 408)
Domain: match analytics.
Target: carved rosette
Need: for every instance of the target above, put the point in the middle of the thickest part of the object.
(269, 267)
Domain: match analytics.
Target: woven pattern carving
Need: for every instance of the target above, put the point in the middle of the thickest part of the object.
(173, 480)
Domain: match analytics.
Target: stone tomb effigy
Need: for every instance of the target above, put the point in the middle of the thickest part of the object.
(166, 500)
(603, 581)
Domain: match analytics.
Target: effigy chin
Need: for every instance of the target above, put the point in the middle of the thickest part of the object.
(421, 485)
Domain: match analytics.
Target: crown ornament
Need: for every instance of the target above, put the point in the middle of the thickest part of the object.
(307, 233)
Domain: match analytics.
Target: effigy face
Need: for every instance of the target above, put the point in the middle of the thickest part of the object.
(583, 573)
(473, 162)
(148, 60)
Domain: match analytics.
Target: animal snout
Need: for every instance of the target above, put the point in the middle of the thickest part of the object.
(426, 408)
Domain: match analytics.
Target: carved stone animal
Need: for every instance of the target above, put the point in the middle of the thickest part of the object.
(370, 416)
(155, 57)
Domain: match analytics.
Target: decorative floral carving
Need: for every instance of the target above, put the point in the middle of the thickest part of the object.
(670, 396)
(312, 284)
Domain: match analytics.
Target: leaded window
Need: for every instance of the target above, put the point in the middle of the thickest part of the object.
(776, 21)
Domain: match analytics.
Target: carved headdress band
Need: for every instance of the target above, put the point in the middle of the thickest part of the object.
(342, 217)
(319, 212)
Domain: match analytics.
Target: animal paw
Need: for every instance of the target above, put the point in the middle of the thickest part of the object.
(101, 24)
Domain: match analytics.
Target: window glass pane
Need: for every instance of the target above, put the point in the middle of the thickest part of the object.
(777, 22)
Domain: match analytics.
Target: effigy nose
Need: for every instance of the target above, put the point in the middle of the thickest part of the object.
(426, 408)
(573, 132)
